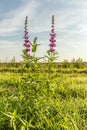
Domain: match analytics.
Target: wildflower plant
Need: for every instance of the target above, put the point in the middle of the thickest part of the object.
(52, 38)
(30, 60)
(26, 51)
(51, 53)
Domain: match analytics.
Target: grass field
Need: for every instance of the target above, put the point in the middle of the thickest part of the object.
(43, 101)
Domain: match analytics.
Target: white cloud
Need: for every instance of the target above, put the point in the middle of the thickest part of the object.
(16, 18)
(82, 28)
(70, 25)
(7, 44)
(8, 49)
(6, 31)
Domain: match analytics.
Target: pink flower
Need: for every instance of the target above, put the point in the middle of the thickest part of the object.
(26, 41)
(26, 44)
(53, 35)
(52, 40)
(27, 49)
(52, 49)
(52, 45)
(25, 37)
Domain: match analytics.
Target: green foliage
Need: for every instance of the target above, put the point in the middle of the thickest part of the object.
(36, 101)
(51, 56)
(34, 45)
(66, 64)
(77, 63)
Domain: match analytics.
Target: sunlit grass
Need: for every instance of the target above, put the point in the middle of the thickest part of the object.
(39, 101)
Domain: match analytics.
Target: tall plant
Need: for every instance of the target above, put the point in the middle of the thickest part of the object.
(26, 51)
(51, 53)
(30, 60)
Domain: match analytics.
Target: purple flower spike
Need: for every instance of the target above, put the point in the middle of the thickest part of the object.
(52, 37)
(26, 39)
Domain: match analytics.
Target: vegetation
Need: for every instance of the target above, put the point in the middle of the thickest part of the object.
(38, 101)
(43, 96)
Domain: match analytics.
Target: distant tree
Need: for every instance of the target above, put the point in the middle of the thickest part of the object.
(66, 64)
(79, 63)
(73, 63)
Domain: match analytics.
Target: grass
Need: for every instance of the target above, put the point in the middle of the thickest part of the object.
(43, 101)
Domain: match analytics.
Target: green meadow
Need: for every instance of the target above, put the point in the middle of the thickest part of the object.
(43, 100)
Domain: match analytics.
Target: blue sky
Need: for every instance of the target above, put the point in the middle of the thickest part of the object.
(70, 26)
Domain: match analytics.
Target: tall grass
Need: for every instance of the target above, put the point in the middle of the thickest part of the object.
(36, 101)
